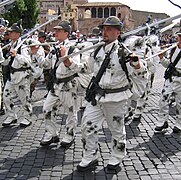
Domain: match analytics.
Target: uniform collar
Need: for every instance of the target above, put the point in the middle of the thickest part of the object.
(65, 42)
(109, 46)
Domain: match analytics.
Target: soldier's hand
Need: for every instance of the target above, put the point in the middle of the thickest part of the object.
(34, 49)
(66, 61)
(63, 50)
(13, 52)
(161, 55)
(134, 61)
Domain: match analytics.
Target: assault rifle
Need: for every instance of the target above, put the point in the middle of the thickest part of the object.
(93, 87)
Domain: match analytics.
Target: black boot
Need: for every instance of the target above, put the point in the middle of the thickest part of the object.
(162, 128)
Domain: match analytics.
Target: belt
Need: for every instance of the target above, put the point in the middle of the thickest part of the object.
(108, 91)
(66, 79)
(102, 92)
(13, 70)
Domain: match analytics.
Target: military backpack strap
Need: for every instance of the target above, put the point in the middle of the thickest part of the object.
(122, 61)
(9, 67)
(172, 52)
(97, 50)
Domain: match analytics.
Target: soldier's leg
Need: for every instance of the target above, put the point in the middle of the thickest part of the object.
(115, 120)
(177, 127)
(163, 114)
(8, 94)
(140, 106)
(69, 102)
(23, 91)
(51, 133)
(91, 123)
(33, 85)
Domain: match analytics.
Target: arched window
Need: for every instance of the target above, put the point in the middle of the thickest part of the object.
(100, 13)
(106, 12)
(93, 13)
(113, 11)
(119, 15)
(87, 13)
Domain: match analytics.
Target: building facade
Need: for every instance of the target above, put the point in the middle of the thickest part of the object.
(85, 16)
(94, 14)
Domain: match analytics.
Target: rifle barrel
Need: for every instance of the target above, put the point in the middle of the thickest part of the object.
(33, 30)
(150, 25)
(163, 51)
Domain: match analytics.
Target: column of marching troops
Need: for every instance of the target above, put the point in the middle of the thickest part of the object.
(107, 91)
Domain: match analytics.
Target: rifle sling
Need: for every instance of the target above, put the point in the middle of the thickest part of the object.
(174, 63)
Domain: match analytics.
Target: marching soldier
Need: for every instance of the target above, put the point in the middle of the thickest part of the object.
(67, 77)
(18, 82)
(171, 86)
(46, 71)
(108, 97)
(136, 44)
(37, 55)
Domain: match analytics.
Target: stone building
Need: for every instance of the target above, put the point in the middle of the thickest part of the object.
(85, 16)
(93, 14)
(140, 17)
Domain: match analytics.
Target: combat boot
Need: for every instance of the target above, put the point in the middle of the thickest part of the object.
(162, 128)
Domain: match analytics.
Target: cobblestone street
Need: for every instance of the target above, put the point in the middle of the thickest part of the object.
(150, 156)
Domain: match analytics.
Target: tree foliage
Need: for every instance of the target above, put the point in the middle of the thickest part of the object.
(27, 10)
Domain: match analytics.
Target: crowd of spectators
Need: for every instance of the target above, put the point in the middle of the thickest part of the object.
(167, 39)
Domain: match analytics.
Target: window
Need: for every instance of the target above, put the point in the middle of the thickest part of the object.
(119, 15)
(106, 12)
(113, 11)
(93, 13)
(100, 13)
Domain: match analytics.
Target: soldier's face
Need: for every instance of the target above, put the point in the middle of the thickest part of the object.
(60, 34)
(110, 34)
(14, 35)
(179, 39)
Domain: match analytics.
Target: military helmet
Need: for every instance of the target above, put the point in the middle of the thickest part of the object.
(95, 31)
(179, 32)
(65, 25)
(16, 27)
(41, 33)
(32, 42)
(112, 21)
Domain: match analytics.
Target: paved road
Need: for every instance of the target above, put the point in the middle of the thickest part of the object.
(150, 156)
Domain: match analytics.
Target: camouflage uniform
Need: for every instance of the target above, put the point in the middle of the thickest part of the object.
(111, 107)
(18, 82)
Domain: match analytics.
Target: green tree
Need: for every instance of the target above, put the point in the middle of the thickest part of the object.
(27, 10)
(30, 15)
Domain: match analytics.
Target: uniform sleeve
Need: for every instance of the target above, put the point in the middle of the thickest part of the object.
(1, 55)
(24, 58)
(84, 62)
(164, 62)
(40, 57)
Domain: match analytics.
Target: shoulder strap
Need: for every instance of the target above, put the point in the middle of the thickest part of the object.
(177, 59)
(122, 60)
(172, 52)
(97, 50)
(58, 55)
(71, 49)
